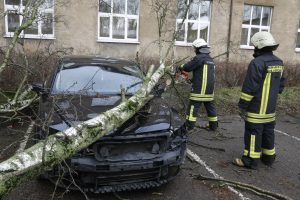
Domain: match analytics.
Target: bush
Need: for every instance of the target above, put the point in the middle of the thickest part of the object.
(40, 65)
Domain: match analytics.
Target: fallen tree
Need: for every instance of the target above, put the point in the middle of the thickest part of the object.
(56, 148)
(28, 164)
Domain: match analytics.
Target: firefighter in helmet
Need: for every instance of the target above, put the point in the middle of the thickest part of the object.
(203, 68)
(257, 104)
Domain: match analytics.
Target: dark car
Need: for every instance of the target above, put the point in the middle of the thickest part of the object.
(146, 151)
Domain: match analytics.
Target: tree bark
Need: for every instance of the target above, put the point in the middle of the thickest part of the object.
(56, 148)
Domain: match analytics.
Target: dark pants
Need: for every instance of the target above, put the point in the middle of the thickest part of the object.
(259, 142)
(193, 113)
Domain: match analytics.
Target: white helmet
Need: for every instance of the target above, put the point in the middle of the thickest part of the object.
(263, 39)
(199, 43)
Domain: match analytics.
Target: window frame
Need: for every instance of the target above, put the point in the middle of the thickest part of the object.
(126, 18)
(199, 21)
(19, 7)
(260, 26)
(297, 49)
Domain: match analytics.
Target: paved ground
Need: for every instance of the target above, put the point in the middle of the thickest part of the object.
(283, 177)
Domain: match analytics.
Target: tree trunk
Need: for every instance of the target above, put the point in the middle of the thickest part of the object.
(28, 164)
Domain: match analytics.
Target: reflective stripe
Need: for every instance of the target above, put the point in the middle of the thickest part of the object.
(246, 97)
(253, 154)
(246, 152)
(269, 152)
(213, 119)
(204, 79)
(201, 95)
(265, 94)
(201, 99)
(260, 121)
(260, 116)
(191, 117)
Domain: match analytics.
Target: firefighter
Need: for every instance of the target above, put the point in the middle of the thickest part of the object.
(203, 68)
(257, 104)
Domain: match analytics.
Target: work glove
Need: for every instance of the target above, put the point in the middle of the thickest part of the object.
(177, 69)
(242, 113)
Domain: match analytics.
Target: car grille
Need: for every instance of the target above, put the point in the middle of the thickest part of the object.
(112, 178)
(129, 149)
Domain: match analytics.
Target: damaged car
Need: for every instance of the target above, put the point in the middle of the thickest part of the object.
(146, 151)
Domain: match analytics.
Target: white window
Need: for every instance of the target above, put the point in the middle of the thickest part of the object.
(255, 19)
(298, 39)
(118, 21)
(42, 27)
(196, 22)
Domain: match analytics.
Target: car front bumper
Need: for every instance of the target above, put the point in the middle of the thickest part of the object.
(101, 177)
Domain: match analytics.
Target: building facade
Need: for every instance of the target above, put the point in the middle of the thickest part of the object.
(123, 28)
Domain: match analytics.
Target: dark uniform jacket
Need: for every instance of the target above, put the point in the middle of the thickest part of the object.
(203, 68)
(263, 82)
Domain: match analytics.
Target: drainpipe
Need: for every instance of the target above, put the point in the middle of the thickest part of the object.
(229, 30)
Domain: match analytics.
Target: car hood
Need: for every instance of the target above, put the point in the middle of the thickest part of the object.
(155, 116)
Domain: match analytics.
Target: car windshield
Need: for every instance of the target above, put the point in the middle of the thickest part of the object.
(91, 79)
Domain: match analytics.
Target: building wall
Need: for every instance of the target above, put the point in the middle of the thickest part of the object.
(285, 19)
(76, 27)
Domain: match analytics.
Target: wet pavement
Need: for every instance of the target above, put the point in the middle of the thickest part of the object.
(215, 150)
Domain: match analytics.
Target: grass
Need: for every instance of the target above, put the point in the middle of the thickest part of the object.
(227, 99)
(289, 100)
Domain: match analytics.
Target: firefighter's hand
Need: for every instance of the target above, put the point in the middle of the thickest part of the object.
(242, 113)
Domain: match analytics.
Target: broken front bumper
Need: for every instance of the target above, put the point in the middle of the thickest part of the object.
(121, 176)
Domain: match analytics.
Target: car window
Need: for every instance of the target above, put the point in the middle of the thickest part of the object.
(95, 79)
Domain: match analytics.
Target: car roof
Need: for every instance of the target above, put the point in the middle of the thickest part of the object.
(97, 59)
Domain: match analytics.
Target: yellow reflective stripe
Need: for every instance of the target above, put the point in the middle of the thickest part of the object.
(191, 117)
(265, 94)
(269, 152)
(260, 116)
(201, 95)
(201, 99)
(246, 97)
(260, 121)
(253, 154)
(246, 152)
(213, 119)
(204, 79)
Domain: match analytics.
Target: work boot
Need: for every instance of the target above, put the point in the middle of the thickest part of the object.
(268, 159)
(246, 162)
(189, 125)
(213, 126)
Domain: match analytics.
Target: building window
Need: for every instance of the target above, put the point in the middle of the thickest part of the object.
(118, 21)
(298, 39)
(41, 28)
(196, 22)
(255, 19)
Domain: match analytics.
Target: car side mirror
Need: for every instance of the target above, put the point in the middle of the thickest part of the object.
(40, 90)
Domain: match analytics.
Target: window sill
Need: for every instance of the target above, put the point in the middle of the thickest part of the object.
(124, 41)
(246, 47)
(183, 44)
(32, 37)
